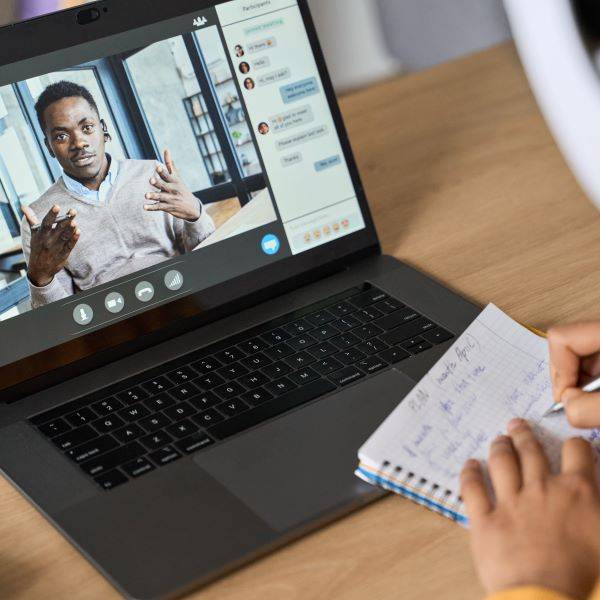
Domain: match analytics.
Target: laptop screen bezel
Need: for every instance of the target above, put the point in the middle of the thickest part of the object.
(100, 347)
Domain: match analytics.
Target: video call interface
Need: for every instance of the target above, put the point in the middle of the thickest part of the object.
(130, 180)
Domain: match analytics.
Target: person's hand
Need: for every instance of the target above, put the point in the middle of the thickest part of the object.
(543, 528)
(575, 359)
(51, 244)
(173, 196)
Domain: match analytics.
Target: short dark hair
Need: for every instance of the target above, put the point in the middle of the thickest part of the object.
(58, 91)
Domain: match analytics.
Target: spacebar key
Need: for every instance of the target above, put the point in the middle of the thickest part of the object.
(272, 409)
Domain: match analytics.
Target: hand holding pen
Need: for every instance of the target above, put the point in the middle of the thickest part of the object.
(574, 369)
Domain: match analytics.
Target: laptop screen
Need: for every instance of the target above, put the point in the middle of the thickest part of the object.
(142, 168)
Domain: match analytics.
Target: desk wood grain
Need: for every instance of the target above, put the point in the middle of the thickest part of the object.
(465, 183)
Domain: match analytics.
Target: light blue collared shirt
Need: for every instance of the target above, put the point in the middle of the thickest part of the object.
(105, 186)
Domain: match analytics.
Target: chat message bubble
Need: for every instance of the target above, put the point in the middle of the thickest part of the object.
(261, 63)
(299, 90)
(291, 159)
(263, 26)
(327, 163)
(302, 137)
(292, 118)
(274, 76)
(262, 45)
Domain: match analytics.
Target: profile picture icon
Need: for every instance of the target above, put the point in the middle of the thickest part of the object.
(264, 128)
(239, 51)
(249, 83)
(244, 68)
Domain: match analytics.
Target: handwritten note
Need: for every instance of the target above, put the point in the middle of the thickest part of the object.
(495, 371)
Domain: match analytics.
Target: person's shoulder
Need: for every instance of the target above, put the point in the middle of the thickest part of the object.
(48, 199)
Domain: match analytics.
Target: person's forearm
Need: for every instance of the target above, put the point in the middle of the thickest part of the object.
(194, 233)
(40, 296)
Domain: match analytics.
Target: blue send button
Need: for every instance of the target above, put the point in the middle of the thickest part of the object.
(270, 244)
(327, 163)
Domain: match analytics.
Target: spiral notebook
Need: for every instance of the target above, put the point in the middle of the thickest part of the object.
(495, 371)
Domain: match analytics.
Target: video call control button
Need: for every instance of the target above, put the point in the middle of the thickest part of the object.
(270, 244)
(114, 303)
(83, 314)
(174, 280)
(144, 291)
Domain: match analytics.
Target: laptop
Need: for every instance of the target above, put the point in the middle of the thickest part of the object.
(198, 326)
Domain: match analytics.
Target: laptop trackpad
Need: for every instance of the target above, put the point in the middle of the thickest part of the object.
(302, 465)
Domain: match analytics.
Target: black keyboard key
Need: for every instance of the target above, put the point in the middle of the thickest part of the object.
(341, 309)
(229, 390)
(158, 385)
(233, 371)
(349, 356)
(438, 336)
(110, 480)
(298, 327)
(367, 298)
(371, 364)
(233, 407)
(324, 332)
(276, 336)
(78, 436)
(196, 441)
(368, 314)
(59, 411)
(400, 317)
(157, 440)
(138, 467)
(250, 418)
(208, 418)
(164, 456)
(303, 376)
(411, 343)
(372, 347)
(323, 350)
(407, 331)
(114, 458)
(181, 429)
(281, 386)
(389, 306)
(230, 355)
(105, 407)
(182, 375)
(257, 361)
(278, 352)
(159, 402)
(54, 428)
(256, 397)
(91, 449)
(185, 391)
(206, 365)
(319, 318)
(302, 359)
(204, 401)
(134, 413)
(366, 332)
(108, 424)
(394, 355)
(346, 376)
(302, 342)
(81, 417)
(183, 410)
(253, 346)
(129, 433)
(327, 366)
(347, 323)
(133, 395)
(277, 370)
(155, 422)
(210, 381)
(420, 347)
(347, 340)
(256, 379)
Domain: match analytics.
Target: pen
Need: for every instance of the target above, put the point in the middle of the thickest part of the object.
(559, 407)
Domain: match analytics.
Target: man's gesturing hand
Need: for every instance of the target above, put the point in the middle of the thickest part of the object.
(543, 528)
(51, 244)
(173, 196)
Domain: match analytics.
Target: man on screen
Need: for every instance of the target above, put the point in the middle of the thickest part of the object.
(103, 218)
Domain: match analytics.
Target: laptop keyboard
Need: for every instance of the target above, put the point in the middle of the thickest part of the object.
(154, 418)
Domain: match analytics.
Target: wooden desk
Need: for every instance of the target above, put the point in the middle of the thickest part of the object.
(467, 184)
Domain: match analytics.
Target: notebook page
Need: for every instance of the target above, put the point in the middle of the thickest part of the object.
(495, 371)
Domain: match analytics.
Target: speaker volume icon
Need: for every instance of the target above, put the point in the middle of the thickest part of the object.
(174, 280)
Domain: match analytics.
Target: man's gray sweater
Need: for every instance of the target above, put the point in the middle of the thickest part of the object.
(118, 237)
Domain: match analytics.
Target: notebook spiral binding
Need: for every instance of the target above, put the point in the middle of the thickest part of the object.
(406, 483)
